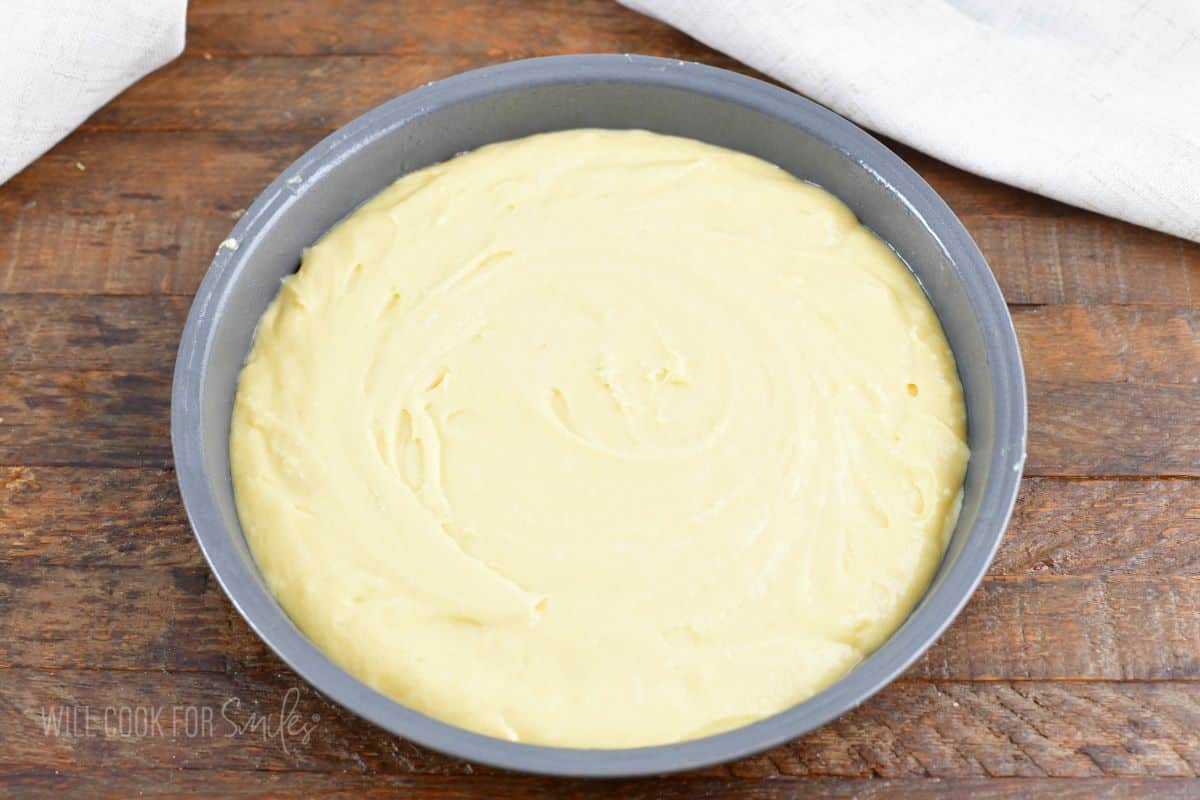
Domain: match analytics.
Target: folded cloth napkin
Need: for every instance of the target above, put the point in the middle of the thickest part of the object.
(60, 60)
(1092, 102)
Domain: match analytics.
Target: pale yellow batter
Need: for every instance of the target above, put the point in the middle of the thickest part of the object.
(599, 439)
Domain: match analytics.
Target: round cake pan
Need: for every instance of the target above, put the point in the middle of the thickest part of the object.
(503, 102)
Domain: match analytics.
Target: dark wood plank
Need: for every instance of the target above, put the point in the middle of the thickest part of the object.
(82, 516)
(308, 93)
(164, 175)
(85, 418)
(1097, 429)
(1043, 627)
(1085, 527)
(910, 730)
(1120, 401)
(500, 29)
(126, 252)
(1044, 251)
(1109, 344)
(152, 206)
(122, 333)
(146, 216)
(1073, 730)
(1120, 627)
(219, 785)
(117, 618)
(1086, 258)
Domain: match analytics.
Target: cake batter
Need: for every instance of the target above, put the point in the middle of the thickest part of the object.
(599, 439)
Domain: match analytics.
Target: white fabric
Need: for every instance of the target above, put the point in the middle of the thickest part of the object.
(1092, 102)
(60, 60)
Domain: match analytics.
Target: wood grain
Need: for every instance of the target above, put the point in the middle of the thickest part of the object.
(1041, 627)
(1000, 730)
(118, 618)
(152, 223)
(125, 252)
(88, 517)
(83, 418)
(1074, 672)
(1033, 627)
(309, 93)
(174, 175)
(1092, 429)
(48, 332)
(498, 29)
(85, 517)
(1109, 344)
(91, 384)
(910, 730)
(1057, 254)
(1089, 527)
(217, 784)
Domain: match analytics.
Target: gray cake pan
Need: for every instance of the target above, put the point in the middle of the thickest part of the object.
(441, 119)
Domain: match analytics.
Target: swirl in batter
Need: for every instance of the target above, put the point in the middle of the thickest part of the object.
(599, 439)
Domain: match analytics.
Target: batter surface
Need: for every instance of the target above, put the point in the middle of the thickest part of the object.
(599, 439)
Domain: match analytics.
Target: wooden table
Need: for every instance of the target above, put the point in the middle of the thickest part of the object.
(1073, 672)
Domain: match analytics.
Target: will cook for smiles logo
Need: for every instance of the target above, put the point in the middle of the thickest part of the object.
(230, 719)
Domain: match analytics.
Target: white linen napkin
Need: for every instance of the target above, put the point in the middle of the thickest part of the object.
(60, 60)
(1092, 102)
